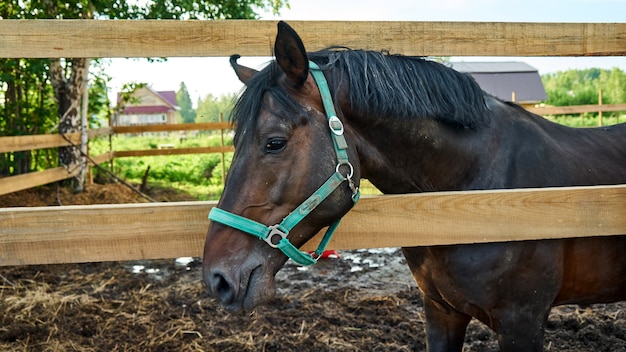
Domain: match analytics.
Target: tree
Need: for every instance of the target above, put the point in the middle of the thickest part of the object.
(187, 112)
(210, 9)
(210, 108)
(612, 84)
(581, 87)
(26, 109)
(68, 77)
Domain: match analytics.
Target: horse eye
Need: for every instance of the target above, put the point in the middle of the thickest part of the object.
(275, 145)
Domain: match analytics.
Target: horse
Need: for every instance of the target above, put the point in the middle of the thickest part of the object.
(408, 125)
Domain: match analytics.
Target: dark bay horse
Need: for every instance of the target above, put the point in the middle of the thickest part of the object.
(407, 125)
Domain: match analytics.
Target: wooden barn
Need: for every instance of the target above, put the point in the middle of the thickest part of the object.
(510, 81)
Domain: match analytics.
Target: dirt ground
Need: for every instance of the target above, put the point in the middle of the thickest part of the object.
(364, 301)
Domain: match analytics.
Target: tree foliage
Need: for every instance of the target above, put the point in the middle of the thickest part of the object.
(26, 109)
(187, 113)
(35, 94)
(210, 108)
(208, 9)
(581, 87)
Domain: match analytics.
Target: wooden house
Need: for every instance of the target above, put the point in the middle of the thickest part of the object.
(147, 107)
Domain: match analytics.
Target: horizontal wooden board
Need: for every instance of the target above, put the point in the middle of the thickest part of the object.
(102, 158)
(38, 141)
(20, 182)
(148, 38)
(100, 132)
(206, 126)
(576, 109)
(166, 230)
(174, 151)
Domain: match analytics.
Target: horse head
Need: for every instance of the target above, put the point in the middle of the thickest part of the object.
(286, 180)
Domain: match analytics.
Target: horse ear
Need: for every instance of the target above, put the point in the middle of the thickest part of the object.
(291, 55)
(243, 73)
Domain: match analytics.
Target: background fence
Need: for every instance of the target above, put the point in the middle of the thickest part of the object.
(140, 231)
(34, 179)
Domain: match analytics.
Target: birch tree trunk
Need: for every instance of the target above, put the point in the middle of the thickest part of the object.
(69, 84)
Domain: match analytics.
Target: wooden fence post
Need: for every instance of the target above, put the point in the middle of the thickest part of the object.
(223, 158)
(600, 122)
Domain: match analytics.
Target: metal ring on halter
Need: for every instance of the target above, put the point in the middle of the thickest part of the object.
(314, 255)
(274, 231)
(349, 176)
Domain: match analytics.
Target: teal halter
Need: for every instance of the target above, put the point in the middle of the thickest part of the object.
(276, 235)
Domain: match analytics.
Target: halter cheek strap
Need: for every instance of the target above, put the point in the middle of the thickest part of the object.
(276, 235)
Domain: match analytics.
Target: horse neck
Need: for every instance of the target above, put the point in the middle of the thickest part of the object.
(416, 156)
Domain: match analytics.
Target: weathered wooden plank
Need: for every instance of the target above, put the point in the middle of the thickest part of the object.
(166, 230)
(20, 182)
(577, 109)
(206, 126)
(100, 132)
(174, 151)
(108, 156)
(485, 216)
(38, 141)
(95, 38)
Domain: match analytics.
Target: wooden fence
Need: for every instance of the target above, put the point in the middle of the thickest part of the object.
(34, 179)
(140, 231)
(166, 230)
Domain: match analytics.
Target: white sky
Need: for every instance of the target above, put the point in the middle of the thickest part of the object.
(213, 75)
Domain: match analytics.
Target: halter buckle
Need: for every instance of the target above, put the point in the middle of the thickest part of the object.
(274, 236)
(335, 125)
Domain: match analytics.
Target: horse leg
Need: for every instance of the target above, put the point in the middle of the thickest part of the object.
(445, 327)
(521, 331)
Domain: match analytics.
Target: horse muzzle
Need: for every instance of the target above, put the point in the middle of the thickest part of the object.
(238, 276)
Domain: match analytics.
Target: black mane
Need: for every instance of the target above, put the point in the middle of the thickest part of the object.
(380, 86)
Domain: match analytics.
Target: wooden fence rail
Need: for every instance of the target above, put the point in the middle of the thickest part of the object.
(577, 109)
(21, 143)
(69, 234)
(41, 141)
(96, 38)
(140, 231)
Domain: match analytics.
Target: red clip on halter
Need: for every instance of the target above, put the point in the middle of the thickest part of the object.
(276, 235)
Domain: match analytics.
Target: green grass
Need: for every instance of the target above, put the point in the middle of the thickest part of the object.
(197, 174)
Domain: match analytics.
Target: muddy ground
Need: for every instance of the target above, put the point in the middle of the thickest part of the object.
(365, 301)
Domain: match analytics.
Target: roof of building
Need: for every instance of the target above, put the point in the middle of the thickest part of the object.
(493, 67)
(501, 79)
(168, 98)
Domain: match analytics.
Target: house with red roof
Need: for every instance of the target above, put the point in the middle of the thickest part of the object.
(147, 107)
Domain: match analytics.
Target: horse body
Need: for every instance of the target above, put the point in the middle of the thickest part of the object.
(415, 126)
(505, 285)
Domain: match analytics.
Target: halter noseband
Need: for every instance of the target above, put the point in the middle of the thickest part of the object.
(276, 235)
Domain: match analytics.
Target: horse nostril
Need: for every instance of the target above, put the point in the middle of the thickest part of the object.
(220, 288)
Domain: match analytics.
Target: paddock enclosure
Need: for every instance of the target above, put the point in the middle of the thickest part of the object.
(128, 232)
(308, 316)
